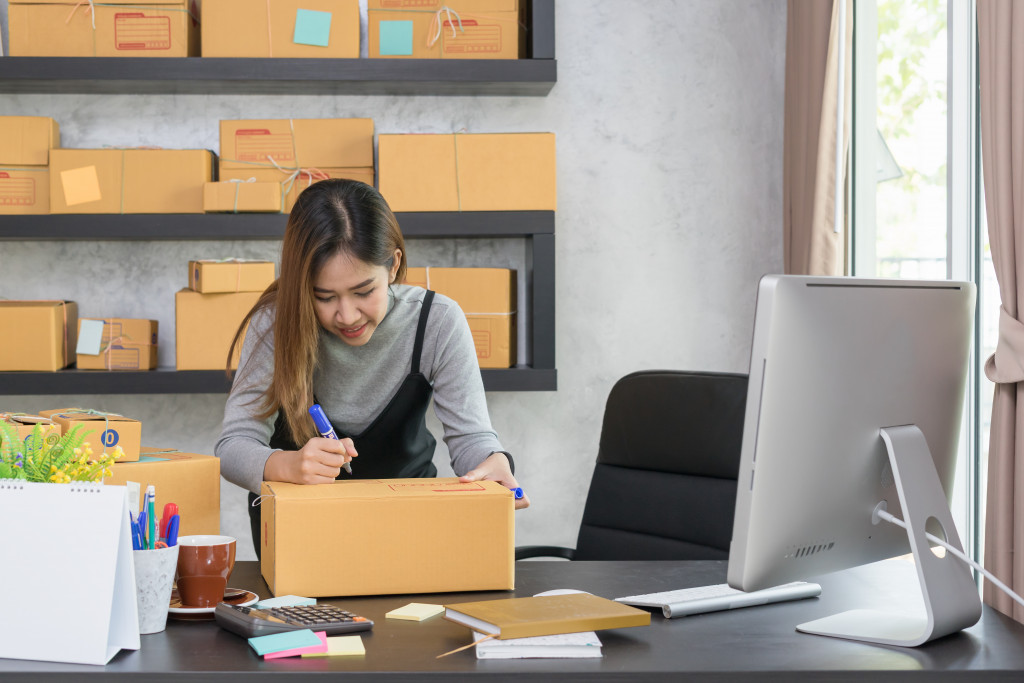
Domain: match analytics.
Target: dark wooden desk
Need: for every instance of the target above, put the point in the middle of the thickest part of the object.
(756, 643)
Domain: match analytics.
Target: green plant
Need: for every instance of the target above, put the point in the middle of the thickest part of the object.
(69, 459)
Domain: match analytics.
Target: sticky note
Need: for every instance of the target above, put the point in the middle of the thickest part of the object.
(395, 37)
(90, 337)
(415, 611)
(320, 648)
(285, 601)
(312, 27)
(80, 185)
(340, 646)
(281, 642)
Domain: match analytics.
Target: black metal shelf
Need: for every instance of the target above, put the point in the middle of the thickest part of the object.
(258, 226)
(534, 76)
(172, 381)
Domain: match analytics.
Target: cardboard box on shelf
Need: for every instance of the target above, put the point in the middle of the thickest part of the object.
(230, 275)
(129, 180)
(446, 29)
(113, 28)
(107, 429)
(243, 196)
(488, 298)
(206, 325)
(25, 144)
(281, 28)
(410, 535)
(27, 140)
(295, 182)
(24, 424)
(122, 344)
(468, 172)
(190, 480)
(38, 335)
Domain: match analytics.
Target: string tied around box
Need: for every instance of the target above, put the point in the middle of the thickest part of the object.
(237, 186)
(89, 411)
(92, 5)
(437, 26)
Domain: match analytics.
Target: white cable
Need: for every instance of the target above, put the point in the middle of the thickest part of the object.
(887, 516)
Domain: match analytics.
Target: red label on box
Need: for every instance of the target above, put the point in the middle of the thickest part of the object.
(136, 31)
(17, 191)
(259, 144)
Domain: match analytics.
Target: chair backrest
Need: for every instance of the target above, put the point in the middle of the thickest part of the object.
(664, 486)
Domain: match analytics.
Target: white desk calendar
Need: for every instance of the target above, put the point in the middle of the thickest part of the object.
(67, 580)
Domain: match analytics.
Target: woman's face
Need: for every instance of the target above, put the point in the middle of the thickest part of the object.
(351, 297)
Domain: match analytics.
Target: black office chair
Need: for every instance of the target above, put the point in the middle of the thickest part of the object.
(664, 486)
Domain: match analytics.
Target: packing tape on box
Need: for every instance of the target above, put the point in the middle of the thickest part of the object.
(91, 10)
(64, 312)
(250, 180)
(506, 313)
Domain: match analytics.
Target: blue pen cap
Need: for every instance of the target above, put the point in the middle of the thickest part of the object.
(517, 493)
(323, 425)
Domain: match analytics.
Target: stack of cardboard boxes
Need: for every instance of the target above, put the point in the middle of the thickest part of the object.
(209, 312)
(25, 144)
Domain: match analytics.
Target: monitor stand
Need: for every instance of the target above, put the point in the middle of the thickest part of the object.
(950, 595)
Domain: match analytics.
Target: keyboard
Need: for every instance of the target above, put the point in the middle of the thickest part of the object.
(701, 599)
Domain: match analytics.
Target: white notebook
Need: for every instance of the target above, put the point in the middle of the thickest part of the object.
(562, 646)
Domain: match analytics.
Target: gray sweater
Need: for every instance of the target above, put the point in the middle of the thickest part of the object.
(355, 383)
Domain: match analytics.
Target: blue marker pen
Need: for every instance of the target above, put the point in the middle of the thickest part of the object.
(517, 493)
(323, 425)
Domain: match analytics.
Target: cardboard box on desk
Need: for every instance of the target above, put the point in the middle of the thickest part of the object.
(206, 325)
(129, 180)
(230, 275)
(113, 28)
(124, 344)
(189, 479)
(38, 335)
(446, 29)
(468, 172)
(244, 196)
(108, 429)
(24, 424)
(488, 298)
(25, 144)
(281, 28)
(388, 535)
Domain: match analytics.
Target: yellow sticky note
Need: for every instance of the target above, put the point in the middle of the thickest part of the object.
(340, 646)
(81, 185)
(415, 611)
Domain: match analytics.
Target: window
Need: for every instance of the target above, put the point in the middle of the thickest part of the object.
(916, 185)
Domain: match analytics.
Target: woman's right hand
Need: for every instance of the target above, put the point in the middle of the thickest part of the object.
(318, 462)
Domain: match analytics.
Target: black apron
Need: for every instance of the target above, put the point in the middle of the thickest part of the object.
(396, 445)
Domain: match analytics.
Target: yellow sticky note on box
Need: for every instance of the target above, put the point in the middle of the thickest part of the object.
(81, 185)
(340, 646)
(415, 611)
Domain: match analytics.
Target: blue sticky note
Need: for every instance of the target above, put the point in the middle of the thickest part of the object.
(312, 27)
(90, 337)
(395, 38)
(288, 640)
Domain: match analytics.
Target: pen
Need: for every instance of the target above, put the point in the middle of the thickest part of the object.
(151, 514)
(323, 425)
(172, 530)
(136, 540)
(516, 492)
(170, 509)
(140, 522)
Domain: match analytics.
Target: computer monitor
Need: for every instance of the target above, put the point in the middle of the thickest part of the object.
(854, 405)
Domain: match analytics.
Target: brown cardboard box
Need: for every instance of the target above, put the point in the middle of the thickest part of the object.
(243, 196)
(27, 140)
(247, 145)
(243, 28)
(108, 429)
(25, 144)
(294, 183)
(468, 172)
(126, 344)
(488, 298)
(24, 424)
(38, 335)
(465, 29)
(64, 28)
(206, 325)
(129, 180)
(190, 480)
(233, 275)
(390, 535)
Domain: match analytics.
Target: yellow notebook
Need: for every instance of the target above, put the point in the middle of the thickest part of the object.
(545, 615)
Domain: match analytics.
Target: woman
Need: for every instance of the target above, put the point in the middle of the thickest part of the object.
(337, 329)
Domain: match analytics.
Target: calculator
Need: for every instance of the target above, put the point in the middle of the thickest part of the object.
(251, 622)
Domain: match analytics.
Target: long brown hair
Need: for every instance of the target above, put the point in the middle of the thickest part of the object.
(330, 217)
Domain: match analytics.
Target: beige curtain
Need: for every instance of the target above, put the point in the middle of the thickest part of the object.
(811, 246)
(1001, 61)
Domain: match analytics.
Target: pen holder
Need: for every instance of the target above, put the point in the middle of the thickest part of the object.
(154, 578)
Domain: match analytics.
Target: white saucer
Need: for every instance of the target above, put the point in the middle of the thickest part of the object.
(249, 598)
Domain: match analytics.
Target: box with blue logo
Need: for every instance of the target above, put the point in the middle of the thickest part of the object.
(107, 429)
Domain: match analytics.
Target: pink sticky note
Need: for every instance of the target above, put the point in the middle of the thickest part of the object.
(298, 651)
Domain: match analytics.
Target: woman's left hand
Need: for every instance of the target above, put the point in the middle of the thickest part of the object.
(495, 468)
